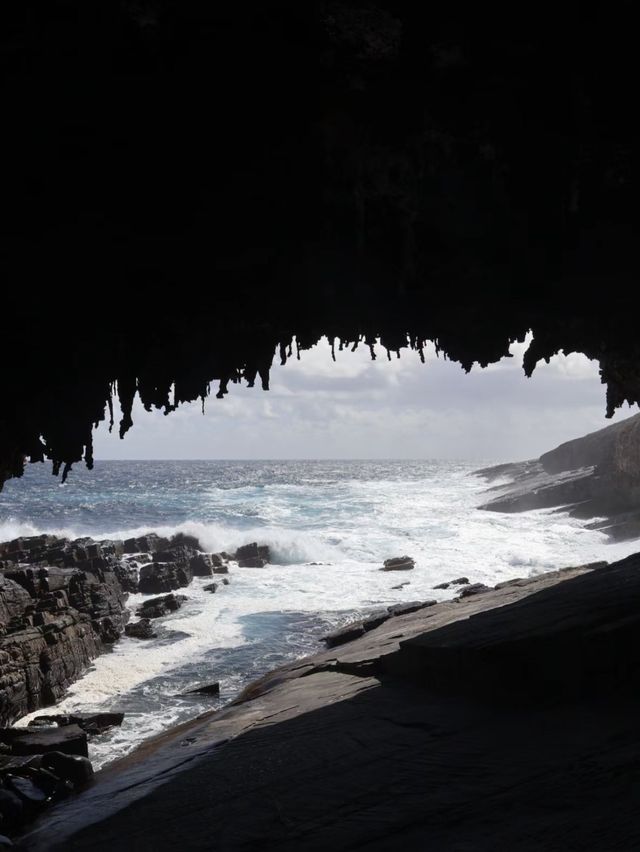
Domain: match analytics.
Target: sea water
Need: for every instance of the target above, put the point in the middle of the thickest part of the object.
(329, 525)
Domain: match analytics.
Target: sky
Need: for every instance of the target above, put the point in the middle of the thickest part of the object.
(358, 408)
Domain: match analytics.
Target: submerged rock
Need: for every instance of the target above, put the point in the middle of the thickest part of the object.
(207, 689)
(92, 723)
(459, 581)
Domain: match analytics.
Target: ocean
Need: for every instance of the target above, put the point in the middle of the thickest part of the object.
(329, 524)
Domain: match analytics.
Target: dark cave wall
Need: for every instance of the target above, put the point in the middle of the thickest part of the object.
(189, 185)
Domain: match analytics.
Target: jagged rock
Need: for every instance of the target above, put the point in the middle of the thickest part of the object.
(184, 540)
(38, 664)
(145, 544)
(253, 551)
(70, 739)
(14, 599)
(398, 563)
(252, 562)
(158, 577)
(201, 565)
(126, 570)
(142, 629)
(474, 589)
(92, 723)
(74, 768)
(211, 587)
(208, 689)
(157, 607)
(401, 585)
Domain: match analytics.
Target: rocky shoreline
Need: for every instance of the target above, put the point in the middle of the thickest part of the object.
(62, 603)
(503, 719)
(596, 476)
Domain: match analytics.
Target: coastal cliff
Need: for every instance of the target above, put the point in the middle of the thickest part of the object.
(596, 476)
(505, 719)
(63, 602)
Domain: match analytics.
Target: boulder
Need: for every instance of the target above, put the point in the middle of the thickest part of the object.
(142, 629)
(159, 577)
(252, 562)
(149, 543)
(398, 563)
(201, 565)
(74, 768)
(252, 551)
(211, 587)
(157, 607)
(70, 739)
(185, 540)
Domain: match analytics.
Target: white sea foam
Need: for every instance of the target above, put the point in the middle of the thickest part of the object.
(349, 525)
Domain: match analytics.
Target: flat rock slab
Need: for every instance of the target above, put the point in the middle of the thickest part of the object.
(70, 739)
(322, 754)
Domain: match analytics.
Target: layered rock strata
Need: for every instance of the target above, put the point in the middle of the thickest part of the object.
(63, 602)
(596, 476)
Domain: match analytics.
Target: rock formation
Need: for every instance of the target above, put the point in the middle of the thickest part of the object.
(236, 177)
(506, 720)
(594, 476)
(64, 602)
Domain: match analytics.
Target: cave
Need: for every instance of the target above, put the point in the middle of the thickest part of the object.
(194, 192)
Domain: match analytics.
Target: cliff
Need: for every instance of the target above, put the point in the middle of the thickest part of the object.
(63, 602)
(506, 719)
(597, 475)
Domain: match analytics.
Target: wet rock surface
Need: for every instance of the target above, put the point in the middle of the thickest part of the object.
(506, 720)
(63, 602)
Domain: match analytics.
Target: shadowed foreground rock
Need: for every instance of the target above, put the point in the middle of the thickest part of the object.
(506, 720)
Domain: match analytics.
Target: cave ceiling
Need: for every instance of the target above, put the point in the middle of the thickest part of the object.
(190, 187)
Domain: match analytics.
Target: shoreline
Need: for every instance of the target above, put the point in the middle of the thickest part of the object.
(417, 672)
